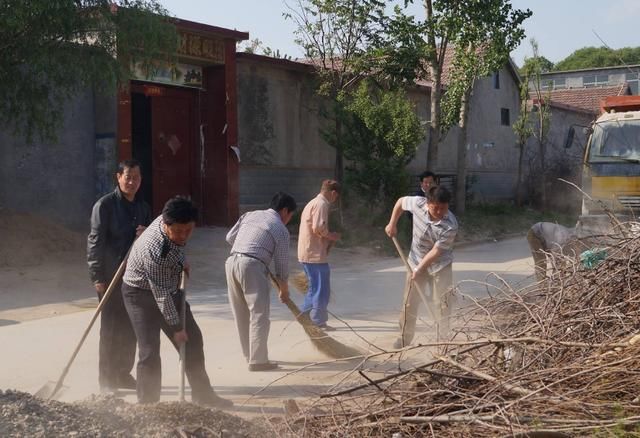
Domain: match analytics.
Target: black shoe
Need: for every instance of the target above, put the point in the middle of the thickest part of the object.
(126, 381)
(267, 366)
(213, 400)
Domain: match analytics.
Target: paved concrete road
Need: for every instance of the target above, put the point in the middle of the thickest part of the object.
(366, 296)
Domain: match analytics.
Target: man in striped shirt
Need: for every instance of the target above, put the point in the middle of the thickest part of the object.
(434, 230)
(153, 301)
(258, 238)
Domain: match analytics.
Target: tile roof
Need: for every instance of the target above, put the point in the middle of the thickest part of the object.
(585, 99)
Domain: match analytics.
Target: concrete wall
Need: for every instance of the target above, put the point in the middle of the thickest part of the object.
(279, 139)
(561, 162)
(55, 180)
(575, 78)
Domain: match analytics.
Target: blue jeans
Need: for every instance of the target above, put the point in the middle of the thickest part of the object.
(317, 298)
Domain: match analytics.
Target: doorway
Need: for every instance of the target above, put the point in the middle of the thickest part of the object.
(163, 135)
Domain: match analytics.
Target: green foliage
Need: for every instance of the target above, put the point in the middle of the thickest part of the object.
(542, 64)
(593, 57)
(50, 50)
(381, 135)
(256, 46)
(396, 56)
(483, 33)
(334, 35)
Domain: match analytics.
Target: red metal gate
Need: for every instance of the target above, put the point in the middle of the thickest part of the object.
(172, 144)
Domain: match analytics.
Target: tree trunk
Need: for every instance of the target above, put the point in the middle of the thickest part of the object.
(461, 174)
(433, 139)
(435, 73)
(543, 175)
(542, 146)
(339, 167)
(519, 176)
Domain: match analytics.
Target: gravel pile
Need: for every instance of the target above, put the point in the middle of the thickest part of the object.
(22, 414)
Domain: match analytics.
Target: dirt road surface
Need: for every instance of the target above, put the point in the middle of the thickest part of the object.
(44, 310)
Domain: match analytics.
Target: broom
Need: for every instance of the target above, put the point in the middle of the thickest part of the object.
(320, 340)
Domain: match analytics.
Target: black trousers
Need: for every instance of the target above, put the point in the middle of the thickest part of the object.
(147, 323)
(117, 347)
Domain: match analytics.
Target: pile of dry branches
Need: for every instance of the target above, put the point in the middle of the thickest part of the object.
(557, 358)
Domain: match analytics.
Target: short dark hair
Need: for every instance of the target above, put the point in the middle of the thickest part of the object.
(283, 200)
(439, 195)
(179, 209)
(127, 164)
(426, 174)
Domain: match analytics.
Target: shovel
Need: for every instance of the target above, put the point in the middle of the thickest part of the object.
(50, 389)
(436, 302)
(183, 317)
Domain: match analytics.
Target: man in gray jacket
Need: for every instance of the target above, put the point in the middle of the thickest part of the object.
(547, 237)
(117, 218)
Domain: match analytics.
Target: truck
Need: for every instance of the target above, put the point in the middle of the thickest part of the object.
(611, 168)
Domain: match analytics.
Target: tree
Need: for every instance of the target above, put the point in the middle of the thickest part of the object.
(381, 137)
(522, 126)
(50, 50)
(593, 57)
(483, 33)
(334, 34)
(541, 115)
(413, 49)
(544, 65)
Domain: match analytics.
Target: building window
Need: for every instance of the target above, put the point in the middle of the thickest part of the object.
(505, 120)
(559, 84)
(496, 80)
(591, 81)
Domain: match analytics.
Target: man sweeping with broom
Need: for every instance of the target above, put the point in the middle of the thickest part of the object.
(314, 241)
(257, 238)
(434, 230)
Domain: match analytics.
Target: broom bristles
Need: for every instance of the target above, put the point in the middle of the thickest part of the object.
(323, 342)
(300, 281)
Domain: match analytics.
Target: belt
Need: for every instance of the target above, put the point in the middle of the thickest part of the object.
(241, 254)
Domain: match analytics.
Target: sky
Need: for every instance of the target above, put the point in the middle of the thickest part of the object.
(559, 26)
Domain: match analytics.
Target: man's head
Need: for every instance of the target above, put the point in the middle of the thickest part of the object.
(438, 199)
(129, 178)
(285, 205)
(330, 189)
(427, 180)
(179, 217)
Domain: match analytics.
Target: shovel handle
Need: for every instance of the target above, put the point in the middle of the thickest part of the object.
(183, 318)
(410, 272)
(114, 281)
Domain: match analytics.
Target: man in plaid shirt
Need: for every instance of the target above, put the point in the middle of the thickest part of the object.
(153, 300)
(256, 239)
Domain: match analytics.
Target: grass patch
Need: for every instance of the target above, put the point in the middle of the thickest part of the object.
(493, 221)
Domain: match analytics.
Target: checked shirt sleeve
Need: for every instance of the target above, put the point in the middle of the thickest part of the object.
(163, 275)
(281, 253)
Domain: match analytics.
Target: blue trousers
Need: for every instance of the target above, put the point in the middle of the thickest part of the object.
(317, 298)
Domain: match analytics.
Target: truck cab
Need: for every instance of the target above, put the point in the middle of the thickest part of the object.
(611, 167)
